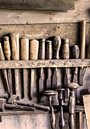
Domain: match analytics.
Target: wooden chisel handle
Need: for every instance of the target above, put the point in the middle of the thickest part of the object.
(2, 58)
(15, 56)
(25, 56)
(83, 35)
(7, 53)
(34, 46)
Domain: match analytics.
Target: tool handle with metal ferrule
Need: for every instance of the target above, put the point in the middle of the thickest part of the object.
(4, 72)
(25, 56)
(34, 46)
(15, 56)
(41, 70)
(76, 56)
(7, 53)
(49, 56)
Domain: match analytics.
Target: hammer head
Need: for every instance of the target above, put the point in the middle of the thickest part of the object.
(13, 99)
(73, 86)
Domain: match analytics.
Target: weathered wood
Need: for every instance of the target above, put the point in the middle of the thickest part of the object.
(82, 8)
(45, 63)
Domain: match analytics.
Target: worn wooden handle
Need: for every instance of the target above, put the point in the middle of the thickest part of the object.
(24, 48)
(42, 49)
(1, 53)
(7, 51)
(34, 46)
(83, 35)
(49, 49)
(66, 49)
(15, 45)
(76, 52)
(57, 45)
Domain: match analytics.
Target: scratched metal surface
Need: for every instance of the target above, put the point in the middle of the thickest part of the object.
(58, 5)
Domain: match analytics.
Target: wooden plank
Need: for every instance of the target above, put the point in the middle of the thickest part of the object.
(45, 63)
(86, 100)
(82, 11)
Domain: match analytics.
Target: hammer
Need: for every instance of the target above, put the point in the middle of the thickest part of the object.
(7, 53)
(34, 46)
(15, 56)
(25, 56)
(72, 101)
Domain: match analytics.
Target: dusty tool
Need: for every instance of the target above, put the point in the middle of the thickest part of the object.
(7, 53)
(72, 101)
(50, 94)
(25, 56)
(15, 56)
(76, 56)
(67, 75)
(16, 100)
(4, 106)
(34, 46)
(49, 70)
(61, 103)
(57, 79)
(41, 70)
(4, 72)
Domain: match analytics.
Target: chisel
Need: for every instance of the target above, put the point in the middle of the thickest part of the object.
(7, 53)
(4, 72)
(57, 79)
(34, 46)
(41, 70)
(49, 70)
(15, 56)
(25, 56)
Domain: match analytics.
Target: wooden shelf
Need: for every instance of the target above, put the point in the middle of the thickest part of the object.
(45, 63)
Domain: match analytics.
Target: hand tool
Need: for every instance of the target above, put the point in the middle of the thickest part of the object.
(72, 101)
(58, 5)
(49, 70)
(34, 46)
(67, 75)
(16, 100)
(25, 56)
(15, 56)
(4, 105)
(61, 103)
(76, 56)
(4, 72)
(57, 79)
(41, 70)
(50, 94)
(7, 53)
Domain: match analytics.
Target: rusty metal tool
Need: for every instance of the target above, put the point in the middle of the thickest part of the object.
(4, 106)
(57, 79)
(41, 70)
(61, 103)
(16, 56)
(75, 56)
(16, 100)
(72, 101)
(34, 46)
(25, 56)
(50, 94)
(67, 75)
(49, 70)
(4, 72)
(7, 53)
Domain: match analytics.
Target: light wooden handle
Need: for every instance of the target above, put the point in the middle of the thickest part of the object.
(76, 52)
(2, 58)
(34, 46)
(66, 49)
(7, 51)
(42, 49)
(24, 48)
(15, 45)
(83, 33)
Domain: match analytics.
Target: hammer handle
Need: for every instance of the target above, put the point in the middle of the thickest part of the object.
(25, 56)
